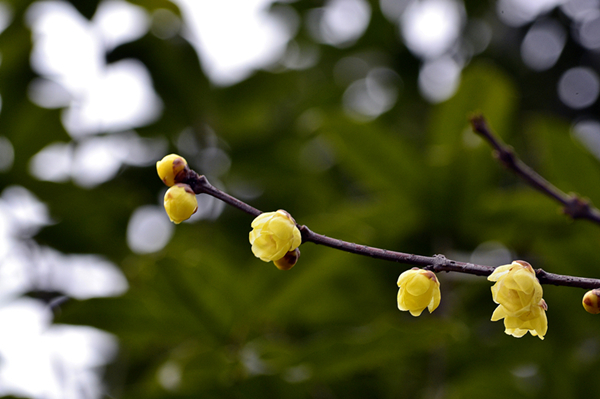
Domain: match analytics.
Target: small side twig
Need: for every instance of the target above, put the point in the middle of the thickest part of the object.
(573, 205)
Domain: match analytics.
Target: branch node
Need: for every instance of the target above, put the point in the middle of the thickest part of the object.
(506, 155)
(577, 207)
(439, 261)
(304, 232)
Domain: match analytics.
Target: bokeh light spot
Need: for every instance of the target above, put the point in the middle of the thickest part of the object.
(579, 87)
(491, 253)
(431, 27)
(47, 93)
(7, 154)
(6, 15)
(370, 97)
(120, 22)
(26, 213)
(52, 163)
(33, 351)
(340, 23)
(233, 38)
(589, 31)
(96, 160)
(519, 12)
(169, 375)
(393, 9)
(122, 98)
(588, 133)
(439, 79)
(543, 44)
(78, 276)
(149, 229)
(69, 50)
(165, 24)
(579, 10)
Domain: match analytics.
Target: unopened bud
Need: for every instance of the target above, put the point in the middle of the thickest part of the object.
(169, 167)
(288, 261)
(180, 202)
(591, 301)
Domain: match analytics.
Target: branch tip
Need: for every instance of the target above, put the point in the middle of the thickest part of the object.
(573, 205)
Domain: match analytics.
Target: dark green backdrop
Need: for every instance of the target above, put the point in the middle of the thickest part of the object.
(414, 180)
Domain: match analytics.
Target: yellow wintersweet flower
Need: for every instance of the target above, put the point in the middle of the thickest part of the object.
(591, 301)
(518, 294)
(273, 235)
(419, 289)
(169, 167)
(180, 202)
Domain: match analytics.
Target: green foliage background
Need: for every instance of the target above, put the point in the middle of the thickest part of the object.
(414, 180)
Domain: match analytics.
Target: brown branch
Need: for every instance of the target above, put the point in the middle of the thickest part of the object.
(200, 185)
(436, 263)
(573, 205)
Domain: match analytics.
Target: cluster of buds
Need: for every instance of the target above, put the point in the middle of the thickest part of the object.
(180, 200)
(274, 236)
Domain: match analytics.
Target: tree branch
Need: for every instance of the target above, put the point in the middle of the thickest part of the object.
(573, 205)
(436, 263)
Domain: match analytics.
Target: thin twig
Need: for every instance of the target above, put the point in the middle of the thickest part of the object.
(200, 185)
(436, 263)
(573, 205)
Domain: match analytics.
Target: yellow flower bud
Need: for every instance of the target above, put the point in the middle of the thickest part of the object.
(169, 167)
(591, 301)
(288, 261)
(419, 289)
(273, 235)
(518, 294)
(180, 202)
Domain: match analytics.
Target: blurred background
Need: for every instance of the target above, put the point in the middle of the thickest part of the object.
(350, 114)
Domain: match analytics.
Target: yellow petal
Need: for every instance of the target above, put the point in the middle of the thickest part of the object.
(435, 301)
(278, 253)
(418, 285)
(499, 272)
(540, 325)
(280, 228)
(262, 218)
(262, 248)
(253, 235)
(296, 238)
(521, 280)
(516, 332)
(416, 313)
(499, 313)
(401, 304)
